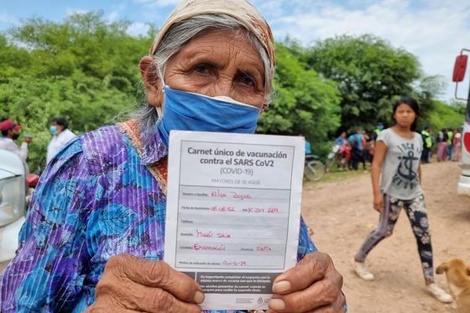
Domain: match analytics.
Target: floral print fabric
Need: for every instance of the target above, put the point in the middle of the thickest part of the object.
(96, 199)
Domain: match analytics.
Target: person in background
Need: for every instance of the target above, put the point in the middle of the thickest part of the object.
(344, 157)
(450, 143)
(341, 139)
(11, 132)
(433, 149)
(457, 143)
(376, 132)
(427, 144)
(59, 129)
(442, 145)
(396, 184)
(93, 239)
(343, 151)
(3, 119)
(366, 149)
(357, 155)
(308, 147)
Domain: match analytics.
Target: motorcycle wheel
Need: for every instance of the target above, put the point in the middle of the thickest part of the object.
(314, 170)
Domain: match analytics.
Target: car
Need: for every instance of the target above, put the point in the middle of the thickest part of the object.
(13, 202)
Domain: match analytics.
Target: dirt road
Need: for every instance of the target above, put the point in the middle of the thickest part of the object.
(341, 215)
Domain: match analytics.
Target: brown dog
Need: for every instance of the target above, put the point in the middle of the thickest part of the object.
(458, 279)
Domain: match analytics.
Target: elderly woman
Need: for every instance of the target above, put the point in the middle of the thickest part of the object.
(94, 235)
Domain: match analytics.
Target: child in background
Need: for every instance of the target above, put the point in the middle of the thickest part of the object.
(396, 184)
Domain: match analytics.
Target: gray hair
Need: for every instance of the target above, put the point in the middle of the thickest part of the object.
(180, 34)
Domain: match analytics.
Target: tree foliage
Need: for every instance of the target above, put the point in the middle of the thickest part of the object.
(82, 69)
(369, 72)
(304, 104)
(86, 70)
(445, 116)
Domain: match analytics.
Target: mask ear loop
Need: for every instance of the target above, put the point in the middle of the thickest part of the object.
(159, 109)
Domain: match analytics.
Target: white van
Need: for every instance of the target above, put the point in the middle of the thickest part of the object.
(12, 202)
(460, 66)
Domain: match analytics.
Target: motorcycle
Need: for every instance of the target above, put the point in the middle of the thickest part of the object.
(15, 192)
(337, 155)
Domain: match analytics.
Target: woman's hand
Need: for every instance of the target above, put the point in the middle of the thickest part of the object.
(313, 286)
(378, 202)
(131, 284)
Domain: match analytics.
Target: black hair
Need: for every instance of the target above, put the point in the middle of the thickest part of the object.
(60, 121)
(413, 105)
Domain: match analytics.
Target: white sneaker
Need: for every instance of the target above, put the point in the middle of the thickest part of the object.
(439, 293)
(361, 270)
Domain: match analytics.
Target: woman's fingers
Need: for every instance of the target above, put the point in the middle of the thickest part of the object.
(158, 274)
(337, 306)
(137, 298)
(311, 285)
(133, 284)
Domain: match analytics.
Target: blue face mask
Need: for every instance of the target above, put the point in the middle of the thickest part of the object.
(53, 130)
(190, 111)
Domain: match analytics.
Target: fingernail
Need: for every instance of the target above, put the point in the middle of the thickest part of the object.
(199, 297)
(281, 286)
(277, 304)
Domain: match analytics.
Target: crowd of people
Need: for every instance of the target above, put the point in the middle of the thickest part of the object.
(445, 146)
(358, 149)
(11, 131)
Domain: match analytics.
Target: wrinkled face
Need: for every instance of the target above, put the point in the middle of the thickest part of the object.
(404, 115)
(219, 64)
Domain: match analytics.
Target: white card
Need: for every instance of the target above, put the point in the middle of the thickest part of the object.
(233, 213)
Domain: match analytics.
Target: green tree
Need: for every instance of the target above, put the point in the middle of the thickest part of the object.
(445, 116)
(33, 102)
(434, 85)
(83, 69)
(84, 43)
(14, 60)
(369, 72)
(305, 103)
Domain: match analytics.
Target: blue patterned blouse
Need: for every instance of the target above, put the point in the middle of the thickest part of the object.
(96, 199)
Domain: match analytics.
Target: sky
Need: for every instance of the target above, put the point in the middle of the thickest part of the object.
(435, 31)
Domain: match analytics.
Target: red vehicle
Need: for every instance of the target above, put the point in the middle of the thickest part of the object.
(458, 76)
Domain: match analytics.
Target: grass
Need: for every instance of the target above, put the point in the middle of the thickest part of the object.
(333, 176)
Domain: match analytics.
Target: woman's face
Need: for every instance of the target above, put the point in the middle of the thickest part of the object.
(219, 64)
(404, 115)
